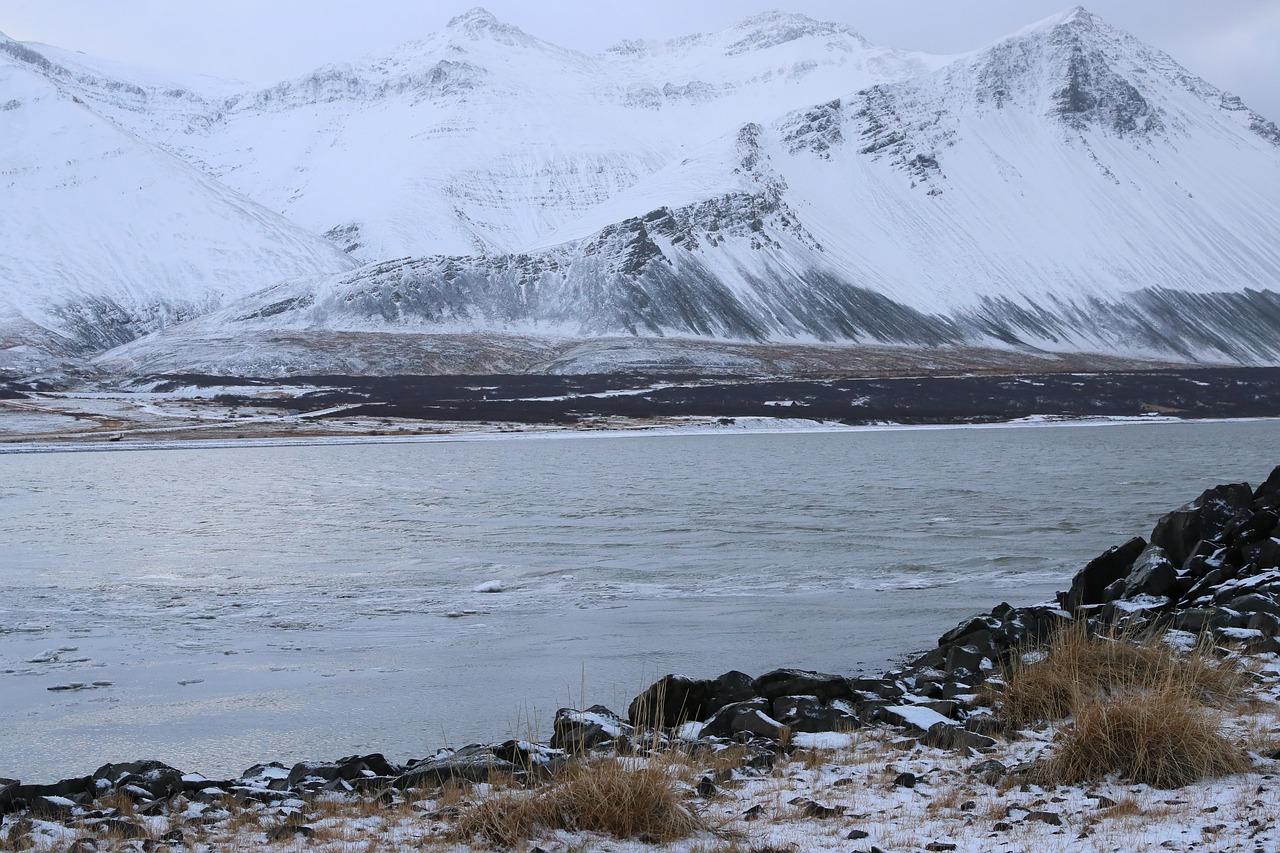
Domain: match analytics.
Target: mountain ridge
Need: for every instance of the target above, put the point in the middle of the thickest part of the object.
(1067, 188)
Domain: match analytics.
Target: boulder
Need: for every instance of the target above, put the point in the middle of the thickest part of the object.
(1210, 516)
(957, 738)
(1153, 573)
(577, 732)
(1265, 554)
(158, 780)
(876, 688)
(801, 682)
(1198, 619)
(969, 658)
(473, 763)
(974, 626)
(1261, 525)
(79, 788)
(354, 768)
(720, 723)
(1267, 496)
(1089, 583)
(756, 722)
(676, 699)
(1252, 602)
(809, 714)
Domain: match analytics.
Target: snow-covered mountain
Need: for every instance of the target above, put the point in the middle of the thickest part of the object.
(1067, 188)
(106, 236)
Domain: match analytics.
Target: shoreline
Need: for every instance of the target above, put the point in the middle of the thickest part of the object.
(504, 432)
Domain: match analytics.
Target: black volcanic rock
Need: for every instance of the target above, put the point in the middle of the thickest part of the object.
(674, 699)
(1089, 584)
(1209, 516)
(799, 682)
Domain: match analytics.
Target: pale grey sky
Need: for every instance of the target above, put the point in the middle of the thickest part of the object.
(1234, 44)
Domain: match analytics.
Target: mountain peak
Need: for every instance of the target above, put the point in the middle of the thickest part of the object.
(1076, 18)
(477, 16)
(768, 29)
(479, 23)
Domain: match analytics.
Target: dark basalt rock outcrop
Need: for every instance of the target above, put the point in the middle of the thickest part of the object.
(1212, 566)
(674, 699)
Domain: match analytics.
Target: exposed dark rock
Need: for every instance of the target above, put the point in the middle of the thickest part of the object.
(674, 699)
(989, 771)
(1209, 516)
(905, 780)
(1260, 526)
(756, 722)
(956, 737)
(1152, 574)
(51, 807)
(809, 714)
(969, 658)
(156, 779)
(576, 732)
(289, 831)
(1252, 602)
(1267, 496)
(350, 769)
(1089, 584)
(1051, 818)
(473, 763)
(723, 722)
(799, 682)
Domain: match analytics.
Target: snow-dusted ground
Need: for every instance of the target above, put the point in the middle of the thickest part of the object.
(835, 792)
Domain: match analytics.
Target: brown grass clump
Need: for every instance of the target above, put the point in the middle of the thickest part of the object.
(1076, 667)
(625, 800)
(1164, 738)
(1138, 709)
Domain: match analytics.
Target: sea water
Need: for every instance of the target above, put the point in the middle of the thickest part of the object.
(245, 604)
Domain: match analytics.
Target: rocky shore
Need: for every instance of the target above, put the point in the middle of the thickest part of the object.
(1208, 570)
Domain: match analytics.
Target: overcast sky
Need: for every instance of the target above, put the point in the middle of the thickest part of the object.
(1235, 44)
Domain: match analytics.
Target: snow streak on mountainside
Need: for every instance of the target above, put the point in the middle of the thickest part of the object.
(107, 237)
(1066, 189)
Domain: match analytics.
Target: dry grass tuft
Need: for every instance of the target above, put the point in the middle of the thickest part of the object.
(1138, 709)
(627, 800)
(1076, 667)
(1164, 738)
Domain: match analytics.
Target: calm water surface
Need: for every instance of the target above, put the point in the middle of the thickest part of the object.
(282, 603)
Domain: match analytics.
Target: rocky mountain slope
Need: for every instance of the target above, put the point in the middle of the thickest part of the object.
(1067, 189)
(107, 237)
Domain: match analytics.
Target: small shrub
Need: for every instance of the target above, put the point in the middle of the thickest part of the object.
(1164, 738)
(621, 799)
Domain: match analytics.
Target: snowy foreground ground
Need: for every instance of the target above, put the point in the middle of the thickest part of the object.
(872, 789)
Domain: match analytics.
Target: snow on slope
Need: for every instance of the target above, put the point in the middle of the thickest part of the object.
(106, 236)
(482, 139)
(1067, 188)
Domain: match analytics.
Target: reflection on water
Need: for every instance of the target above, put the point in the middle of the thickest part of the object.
(322, 600)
